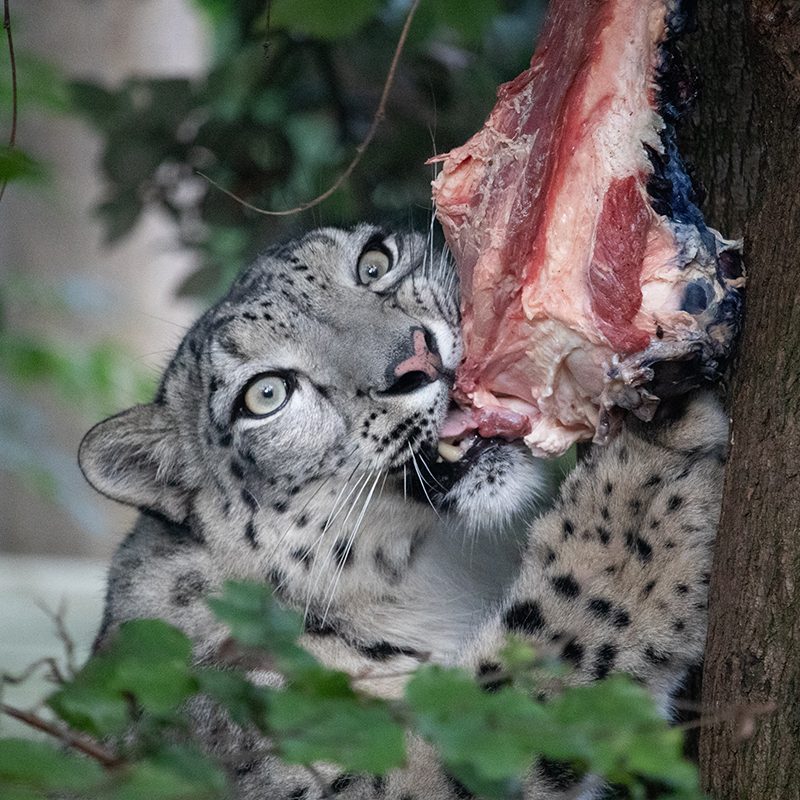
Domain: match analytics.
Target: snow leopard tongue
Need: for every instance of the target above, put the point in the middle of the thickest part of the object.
(488, 421)
(464, 427)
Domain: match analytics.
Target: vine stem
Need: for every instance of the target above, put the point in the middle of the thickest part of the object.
(73, 740)
(378, 117)
(12, 139)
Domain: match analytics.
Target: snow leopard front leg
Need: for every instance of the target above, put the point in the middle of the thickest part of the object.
(615, 576)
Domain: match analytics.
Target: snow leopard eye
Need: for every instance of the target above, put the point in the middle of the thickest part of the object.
(265, 395)
(373, 265)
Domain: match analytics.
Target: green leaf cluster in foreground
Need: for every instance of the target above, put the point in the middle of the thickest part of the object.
(126, 709)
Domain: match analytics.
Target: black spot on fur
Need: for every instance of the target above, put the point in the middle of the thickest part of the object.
(304, 556)
(189, 587)
(343, 553)
(655, 657)
(549, 557)
(525, 617)
(277, 579)
(251, 535)
(648, 587)
(678, 625)
(300, 793)
(381, 651)
(674, 502)
(315, 625)
(599, 607)
(635, 506)
(237, 470)
(604, 663)
(681, 588)
(621, 618)
(301, 521)
(638, 546)
(566, 585)
(486, 672)
(379, 784)
(603, 534)
(281, 506)
(653, 480)
(249, 500)
(573, 652)
(558, 775)
(225, 440)
(342, 782)
(568, 528)
(608, 488)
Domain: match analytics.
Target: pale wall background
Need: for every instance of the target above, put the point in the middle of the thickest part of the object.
(48, 236)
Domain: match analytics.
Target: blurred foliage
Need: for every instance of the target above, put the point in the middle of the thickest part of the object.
(128, 706)
(290, 93)
(42, 375)
(40, 372)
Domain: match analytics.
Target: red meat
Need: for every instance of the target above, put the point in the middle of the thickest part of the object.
(584, 260)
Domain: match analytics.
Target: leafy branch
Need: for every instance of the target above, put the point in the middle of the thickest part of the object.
(129, 711)
(12, 138)
(377, 118)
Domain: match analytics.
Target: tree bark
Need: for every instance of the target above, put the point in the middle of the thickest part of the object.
(745, 143)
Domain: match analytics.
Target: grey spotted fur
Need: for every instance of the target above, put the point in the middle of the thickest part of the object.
(317, 501)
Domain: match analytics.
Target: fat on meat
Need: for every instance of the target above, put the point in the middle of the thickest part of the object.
(589, 279)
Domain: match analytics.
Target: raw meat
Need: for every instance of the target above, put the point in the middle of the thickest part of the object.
(586, 267)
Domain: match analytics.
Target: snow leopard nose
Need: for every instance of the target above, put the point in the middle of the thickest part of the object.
(417, 363)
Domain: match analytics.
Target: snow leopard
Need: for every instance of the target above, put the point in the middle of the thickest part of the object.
(294, 440)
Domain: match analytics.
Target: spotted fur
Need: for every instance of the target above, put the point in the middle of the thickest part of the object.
(335, 500)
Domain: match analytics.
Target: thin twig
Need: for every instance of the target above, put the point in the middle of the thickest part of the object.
(14, 680)
(59, 621)
(742, 714)
(74, 740)
(12, 139)
(380, 113)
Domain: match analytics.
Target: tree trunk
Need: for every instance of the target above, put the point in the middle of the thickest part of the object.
(745, 143)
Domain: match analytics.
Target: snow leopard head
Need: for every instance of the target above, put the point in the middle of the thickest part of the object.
(331, 356)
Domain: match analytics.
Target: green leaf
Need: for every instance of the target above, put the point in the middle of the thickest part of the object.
(246, 703)
(15, 165)
(26, 764)
(321, 20)
(358, 734)
(470, 18)
(485, 739)
(148, 660)
(614, 727)
(256, 620)
(95, 710)
(174, 773)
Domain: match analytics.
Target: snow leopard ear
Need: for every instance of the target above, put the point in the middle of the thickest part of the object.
(135, 458)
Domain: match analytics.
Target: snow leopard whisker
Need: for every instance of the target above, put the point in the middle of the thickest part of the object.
(349, 546)
(320, 570)
(433, 477)
(422, 482)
